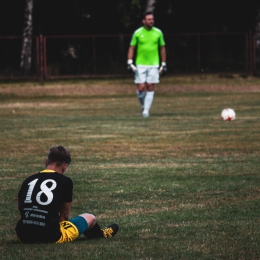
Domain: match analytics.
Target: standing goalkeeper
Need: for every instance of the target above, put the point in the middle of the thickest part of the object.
(150, 45)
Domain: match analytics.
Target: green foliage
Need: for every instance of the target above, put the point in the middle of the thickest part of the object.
(182, 184)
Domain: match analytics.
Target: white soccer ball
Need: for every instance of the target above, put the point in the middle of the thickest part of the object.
(228, 114)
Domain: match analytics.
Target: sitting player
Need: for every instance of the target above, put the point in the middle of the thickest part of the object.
(44, 202)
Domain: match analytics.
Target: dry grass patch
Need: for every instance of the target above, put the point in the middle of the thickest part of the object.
(169, 84)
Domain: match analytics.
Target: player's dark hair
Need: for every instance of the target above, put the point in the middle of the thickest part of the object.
(147, 13)
(59, 154)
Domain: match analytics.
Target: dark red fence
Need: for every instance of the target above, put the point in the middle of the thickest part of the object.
(86, 56)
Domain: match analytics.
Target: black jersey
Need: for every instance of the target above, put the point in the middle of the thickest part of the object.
(41, 197)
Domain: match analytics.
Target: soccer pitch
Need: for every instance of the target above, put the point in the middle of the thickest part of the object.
(181, 184)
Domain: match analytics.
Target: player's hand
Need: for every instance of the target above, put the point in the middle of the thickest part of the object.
(130, 66)
(163, 69)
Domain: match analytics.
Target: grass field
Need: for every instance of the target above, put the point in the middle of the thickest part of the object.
(182, 184)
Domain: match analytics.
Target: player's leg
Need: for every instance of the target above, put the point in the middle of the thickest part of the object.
(71, 229)
(90, 219)
(84, 224)
(148, 99)
(140, 79)
(74, 227)
(140, 92)
(94, 231)
(152, 78)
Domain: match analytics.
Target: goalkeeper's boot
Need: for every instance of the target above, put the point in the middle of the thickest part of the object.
(110, 231)
(145, 113)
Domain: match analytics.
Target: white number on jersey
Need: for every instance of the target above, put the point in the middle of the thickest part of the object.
(44, 189)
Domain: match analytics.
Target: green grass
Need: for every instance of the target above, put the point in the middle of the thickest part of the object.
(182, 184)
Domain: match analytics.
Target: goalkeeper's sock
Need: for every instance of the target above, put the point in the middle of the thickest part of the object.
(94, 232)
(148, 100)
(141, 97)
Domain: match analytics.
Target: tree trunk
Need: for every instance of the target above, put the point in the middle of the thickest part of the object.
(26, 54)
(150, 5)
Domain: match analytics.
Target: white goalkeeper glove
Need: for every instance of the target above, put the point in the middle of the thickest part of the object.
(131, 66)
(163, 69)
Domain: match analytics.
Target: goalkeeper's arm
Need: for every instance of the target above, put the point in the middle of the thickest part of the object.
(163, 67)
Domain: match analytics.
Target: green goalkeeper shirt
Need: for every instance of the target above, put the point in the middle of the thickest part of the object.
(147, 43)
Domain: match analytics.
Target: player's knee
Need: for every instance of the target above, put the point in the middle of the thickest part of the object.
(150, 87)
(141, 87)
(91, 219)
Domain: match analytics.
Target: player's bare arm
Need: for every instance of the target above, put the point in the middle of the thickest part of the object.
(65, 211)
(131, 52)
(163, 53)
(163, 68)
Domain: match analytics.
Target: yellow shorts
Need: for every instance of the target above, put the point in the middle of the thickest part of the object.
(69, 232)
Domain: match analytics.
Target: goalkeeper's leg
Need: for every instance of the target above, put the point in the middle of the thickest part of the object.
(141, 97)
(152, 78)
(148, 99)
